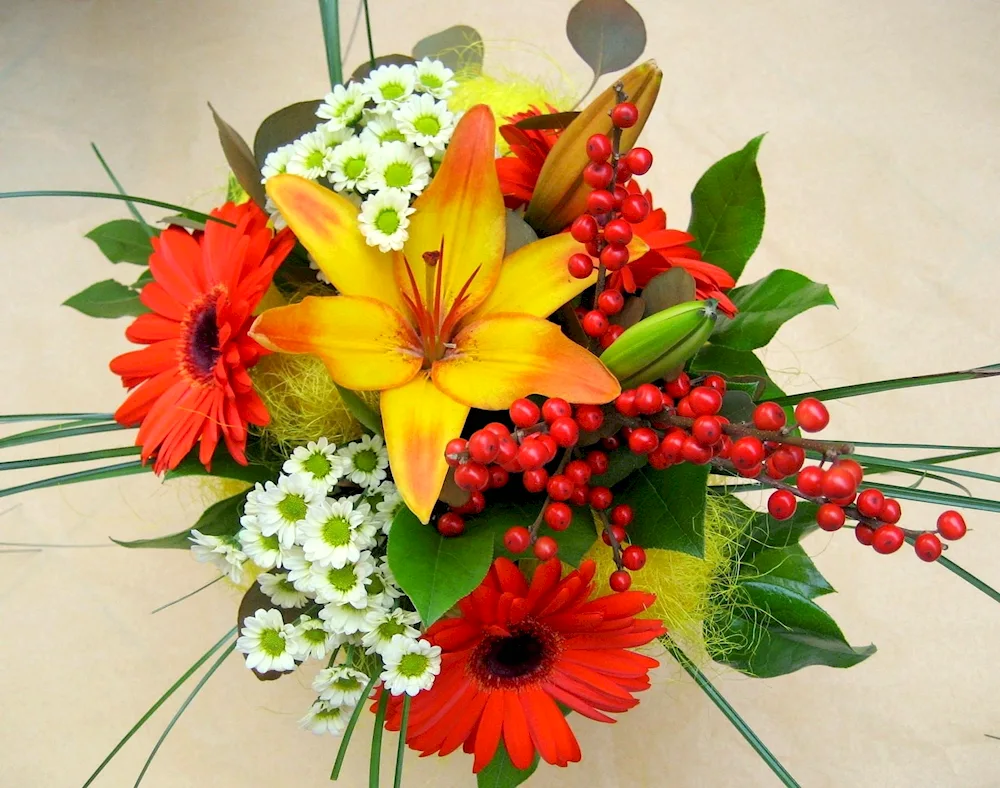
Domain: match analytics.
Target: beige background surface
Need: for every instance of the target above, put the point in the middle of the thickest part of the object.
(881, 175)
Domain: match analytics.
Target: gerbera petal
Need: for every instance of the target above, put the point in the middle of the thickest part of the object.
(176, 264)
(510, 577)
(627, 603)
(462, 725)
(573, 702)
(503, 357)
(626, 663)
(365, 344)
(545, 579)
(147, 362)
(419, 420)
(488, 733)
(516, 738)
(159, 300)
(151, 327)
(462, 214)
(135, 407)
(549, 730)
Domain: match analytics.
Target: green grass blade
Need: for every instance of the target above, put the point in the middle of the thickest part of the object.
(131, 205)
(376, 758)
(923, 467)
(56, 432)
(187, 702)
(935, 446)
(401, 746)
(62, 459)
(970, 578)
(349, 730)
(163, 699)
(189, 594)
(730, 713)
(329, 14)
(940, 498)
(16, 417)
(368, 30)
(190, 214)
(107, 472)
(843, 392)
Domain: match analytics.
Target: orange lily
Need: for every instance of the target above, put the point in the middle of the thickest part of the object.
(444, 326)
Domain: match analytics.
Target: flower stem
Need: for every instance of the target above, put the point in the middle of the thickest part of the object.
(349, 730)
(376, 757)
(401, 747)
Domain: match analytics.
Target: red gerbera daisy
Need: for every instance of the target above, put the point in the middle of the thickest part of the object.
(516, 652)
(191, 382)
(519, 173)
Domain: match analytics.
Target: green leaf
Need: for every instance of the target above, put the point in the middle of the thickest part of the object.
(240, 159)
(727, 210)
(366, 415)
(57, 431)
(501, 773)
(459, 47)
(668, 289)
(765, 306)
(573, 543)
(375, 760)
(790, 568)
(345, 740)
(550, 120)
(737, 405)
(220, 519)
(329, 12)
(621, 465)
(225, 467)
(284, 127)
(144, 279)
(608, 34)
(766, 532)
(669, 507)
(107, 299)
(735, 364)
(122, 241)
(433, 570)
(63, 459)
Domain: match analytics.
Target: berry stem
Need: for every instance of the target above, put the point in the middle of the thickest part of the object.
(616, 548)
(616, 143)
(535, 526)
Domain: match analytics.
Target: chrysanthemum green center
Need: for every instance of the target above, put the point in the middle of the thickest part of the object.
(314, 636)
(431, 81)
(428, 125)
(387, 222)
(413, 665)
(392, 91)
(314, 160)
(293, 508)
(346, 684)
(366, 460)
(390, 628)
(337, 532)
(270, 543)
(272, 643)
(343, 580)
(398, 174)
(318, 465)
(355, 168)
(375, 586)
(393, 135)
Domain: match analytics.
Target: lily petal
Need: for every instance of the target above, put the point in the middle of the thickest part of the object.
(534, 280)
(506, 356)
(365, 344)
(418, 420)
(461, 211)
(327, 225)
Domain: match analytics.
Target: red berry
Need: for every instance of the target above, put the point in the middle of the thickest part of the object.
(597, 175)
(609, 337)
(633, 557)
(594, 323)
(614, 256)
(579, 496)
(599, 147)
(618, 231)
(534, 481)
(625, 403)
(483, 446)
(635, 208)
(643, 441)
(584, 228)
(565, 431)
(550, 445)
(951, 525)
(558, 516)
(500, 430)
(512, 465)
(812, 415)
(517, 539)
(616, 531)
(639, 160)
(578, 472)
(524, 413)
(856, 470)
(580, 265)
(810, 480)
(747, 452)
(621, 194)
(928, 547)
(724, 448)
(768, 416)
(891, 511)
(830, 517)
(611, 442)
(781, 504)
(694, 452)
(839, 483)
(716, 382)
(589, 417)
(888, 539)
(864, 534)
(472, 476)
(532, 454)
(450, 524)
(870, 503)
(600, 202)
(624, 173)
(679, 386)
(601, 497)
(658, 460)
(555, 408)
(593, 248)
(772, 470)
(498, 477)
(648, 399)
(622, 515)
(752, 473)
(545, 548)
(454, 451)
(706, 430)
(705, 401)
(610, 302)
(475, 504)
(620, 581)
(506, 451)
(788, 459)
(598, 462)
(559, 487)
(672, 445)
(625, 115)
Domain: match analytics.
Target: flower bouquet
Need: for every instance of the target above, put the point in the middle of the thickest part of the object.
(481, 427)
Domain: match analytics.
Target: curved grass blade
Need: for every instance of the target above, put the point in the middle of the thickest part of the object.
(943, 499)
(730, 713)
(329, 14)
(163, 699)
(923, 467)
(189, 594)
(376, 758)
(15, 417)
(349, 730)
(187, 702)
(967, 576)
(935, 446)
(368, 31)
(187, 212)
(131, 205)
(50, 545)
(843, 392)
(401, 746)
(62, 459)
(107, 472)
(68, 430)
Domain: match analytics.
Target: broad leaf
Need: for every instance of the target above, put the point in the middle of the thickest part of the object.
(224, 466)
(668, 289)
(240, 158)
(107, 299)
(219, 519)
(367, 68)
(123, 241)
(621, 465)
(501, 773)
(144, 279)
(367, 416)
(737, 405)
(764, 531)
(789, 567)
(460, 48)
(669, 507)
(765, 306)
(284, 127)
(727, 210)
(573, 543)
(437, 571)
(608, 34)
(739, 364)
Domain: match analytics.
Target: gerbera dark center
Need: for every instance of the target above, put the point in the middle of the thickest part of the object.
(523, 657)
(200, 332)
(516, 656)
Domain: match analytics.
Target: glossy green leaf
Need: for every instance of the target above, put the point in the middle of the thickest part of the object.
(501, 773)
(669, 507)
(766, 532)
(621, 465)
(742, 366)
(459, 47)
(608, 34)
(122, 241)
(737, 405)
(225, 467)
(240, 159)
(765, 306)
(220, 519)
(573, 543)
(284, 127)
(436, 571)
(727, 210)
(368, 417)
(790, 568)
(107, 299)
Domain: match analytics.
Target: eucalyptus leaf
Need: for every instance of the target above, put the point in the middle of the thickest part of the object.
(220, 519)
(368, 67)
(669, 507)
(552, 120)
(608, 34)
(253, 600)
(632, 312)
(107, 299)
(284, 127)
(669, 288)
(122, 241)
(459, 47)
(240, 158)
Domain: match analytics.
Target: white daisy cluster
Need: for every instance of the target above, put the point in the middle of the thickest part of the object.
(378, 143)
(319, 533)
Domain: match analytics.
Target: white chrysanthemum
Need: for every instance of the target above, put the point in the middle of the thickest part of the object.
(325, 718)
(381, 127)
(318, 461)
(384, 219)
(387, 508)
(340, 685)
(385, 625)
(280, 508)
(366, 461)
(223, 552)
(398, 165)
(383, 589)
(300, 572)
(436, 78)
(343, 106)
(265, 551)
(410, 665)
(347, 619)
(275, 217)
(313, 152)
(349, 164)
(320, 275)
(265, 641)
(426, 123)
(388, 86)
(335, 533)
(276, 162)
(279, 589)
(311, 640)
(347, 585)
